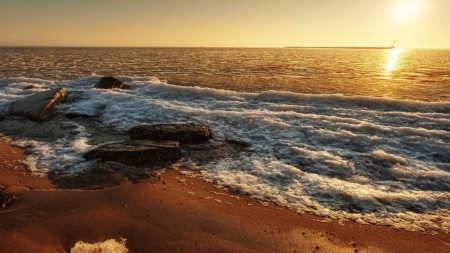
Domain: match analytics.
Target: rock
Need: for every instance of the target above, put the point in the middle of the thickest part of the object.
(137, 151)
(103, 169)
(175, 132)
(111, 167)
(29, 87)
(5, 198)
(109, 82)
(73, 115)
(40, 105)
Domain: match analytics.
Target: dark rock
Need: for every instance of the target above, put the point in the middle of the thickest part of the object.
(109, 82)
(103, 169)
(73, 115)
(40, 105)
(29, 87)
(175, 132)
(137, 151)
(111, 167)
(5, 198)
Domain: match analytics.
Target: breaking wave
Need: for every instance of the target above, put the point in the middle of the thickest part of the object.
(372, 160)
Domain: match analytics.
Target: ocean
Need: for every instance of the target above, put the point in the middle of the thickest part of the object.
(354, 134)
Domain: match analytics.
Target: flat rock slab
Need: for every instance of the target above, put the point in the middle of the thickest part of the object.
(175, 132)
(109, 82)
(40, 105)
(137, 151)
(5, 198)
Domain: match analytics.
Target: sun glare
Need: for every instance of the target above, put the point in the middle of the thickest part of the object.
(407, 9)
(392, 59)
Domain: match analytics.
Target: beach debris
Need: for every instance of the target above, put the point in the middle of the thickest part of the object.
(40, 105)
(137, 151)
(5, 198)
(181, 132)
(109, 82)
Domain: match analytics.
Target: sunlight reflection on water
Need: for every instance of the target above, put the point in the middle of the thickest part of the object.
(392, 60)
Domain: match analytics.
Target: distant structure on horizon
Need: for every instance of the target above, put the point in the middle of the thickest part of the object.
(391, 47)
(393, 44)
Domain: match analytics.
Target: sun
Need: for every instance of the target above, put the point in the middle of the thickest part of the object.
(407, 9)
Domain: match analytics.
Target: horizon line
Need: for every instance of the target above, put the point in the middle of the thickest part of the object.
(274, 47)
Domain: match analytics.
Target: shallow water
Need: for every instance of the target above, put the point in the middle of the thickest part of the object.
(369, 159)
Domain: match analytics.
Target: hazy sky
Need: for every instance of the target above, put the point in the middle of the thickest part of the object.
(225, 23)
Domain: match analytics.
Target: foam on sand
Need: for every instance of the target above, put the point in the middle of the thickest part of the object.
(108, 246)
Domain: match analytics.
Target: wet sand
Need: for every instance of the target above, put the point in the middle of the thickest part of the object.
(176, 214)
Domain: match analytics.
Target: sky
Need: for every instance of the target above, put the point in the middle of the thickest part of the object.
(225, 23)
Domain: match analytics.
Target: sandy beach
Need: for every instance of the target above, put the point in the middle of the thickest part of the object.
(178, 213)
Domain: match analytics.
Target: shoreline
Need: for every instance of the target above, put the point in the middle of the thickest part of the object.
(177, 213)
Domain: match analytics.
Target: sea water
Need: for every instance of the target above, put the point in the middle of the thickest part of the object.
(352, 154)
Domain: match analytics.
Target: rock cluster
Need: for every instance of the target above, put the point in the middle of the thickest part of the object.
(159, 143)
(41, 105)
(151, 143)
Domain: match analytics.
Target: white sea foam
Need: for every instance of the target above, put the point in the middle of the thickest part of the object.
(389, 159)
(108, 246)
(374, 160)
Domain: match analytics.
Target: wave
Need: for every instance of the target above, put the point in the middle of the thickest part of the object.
(373, 160)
